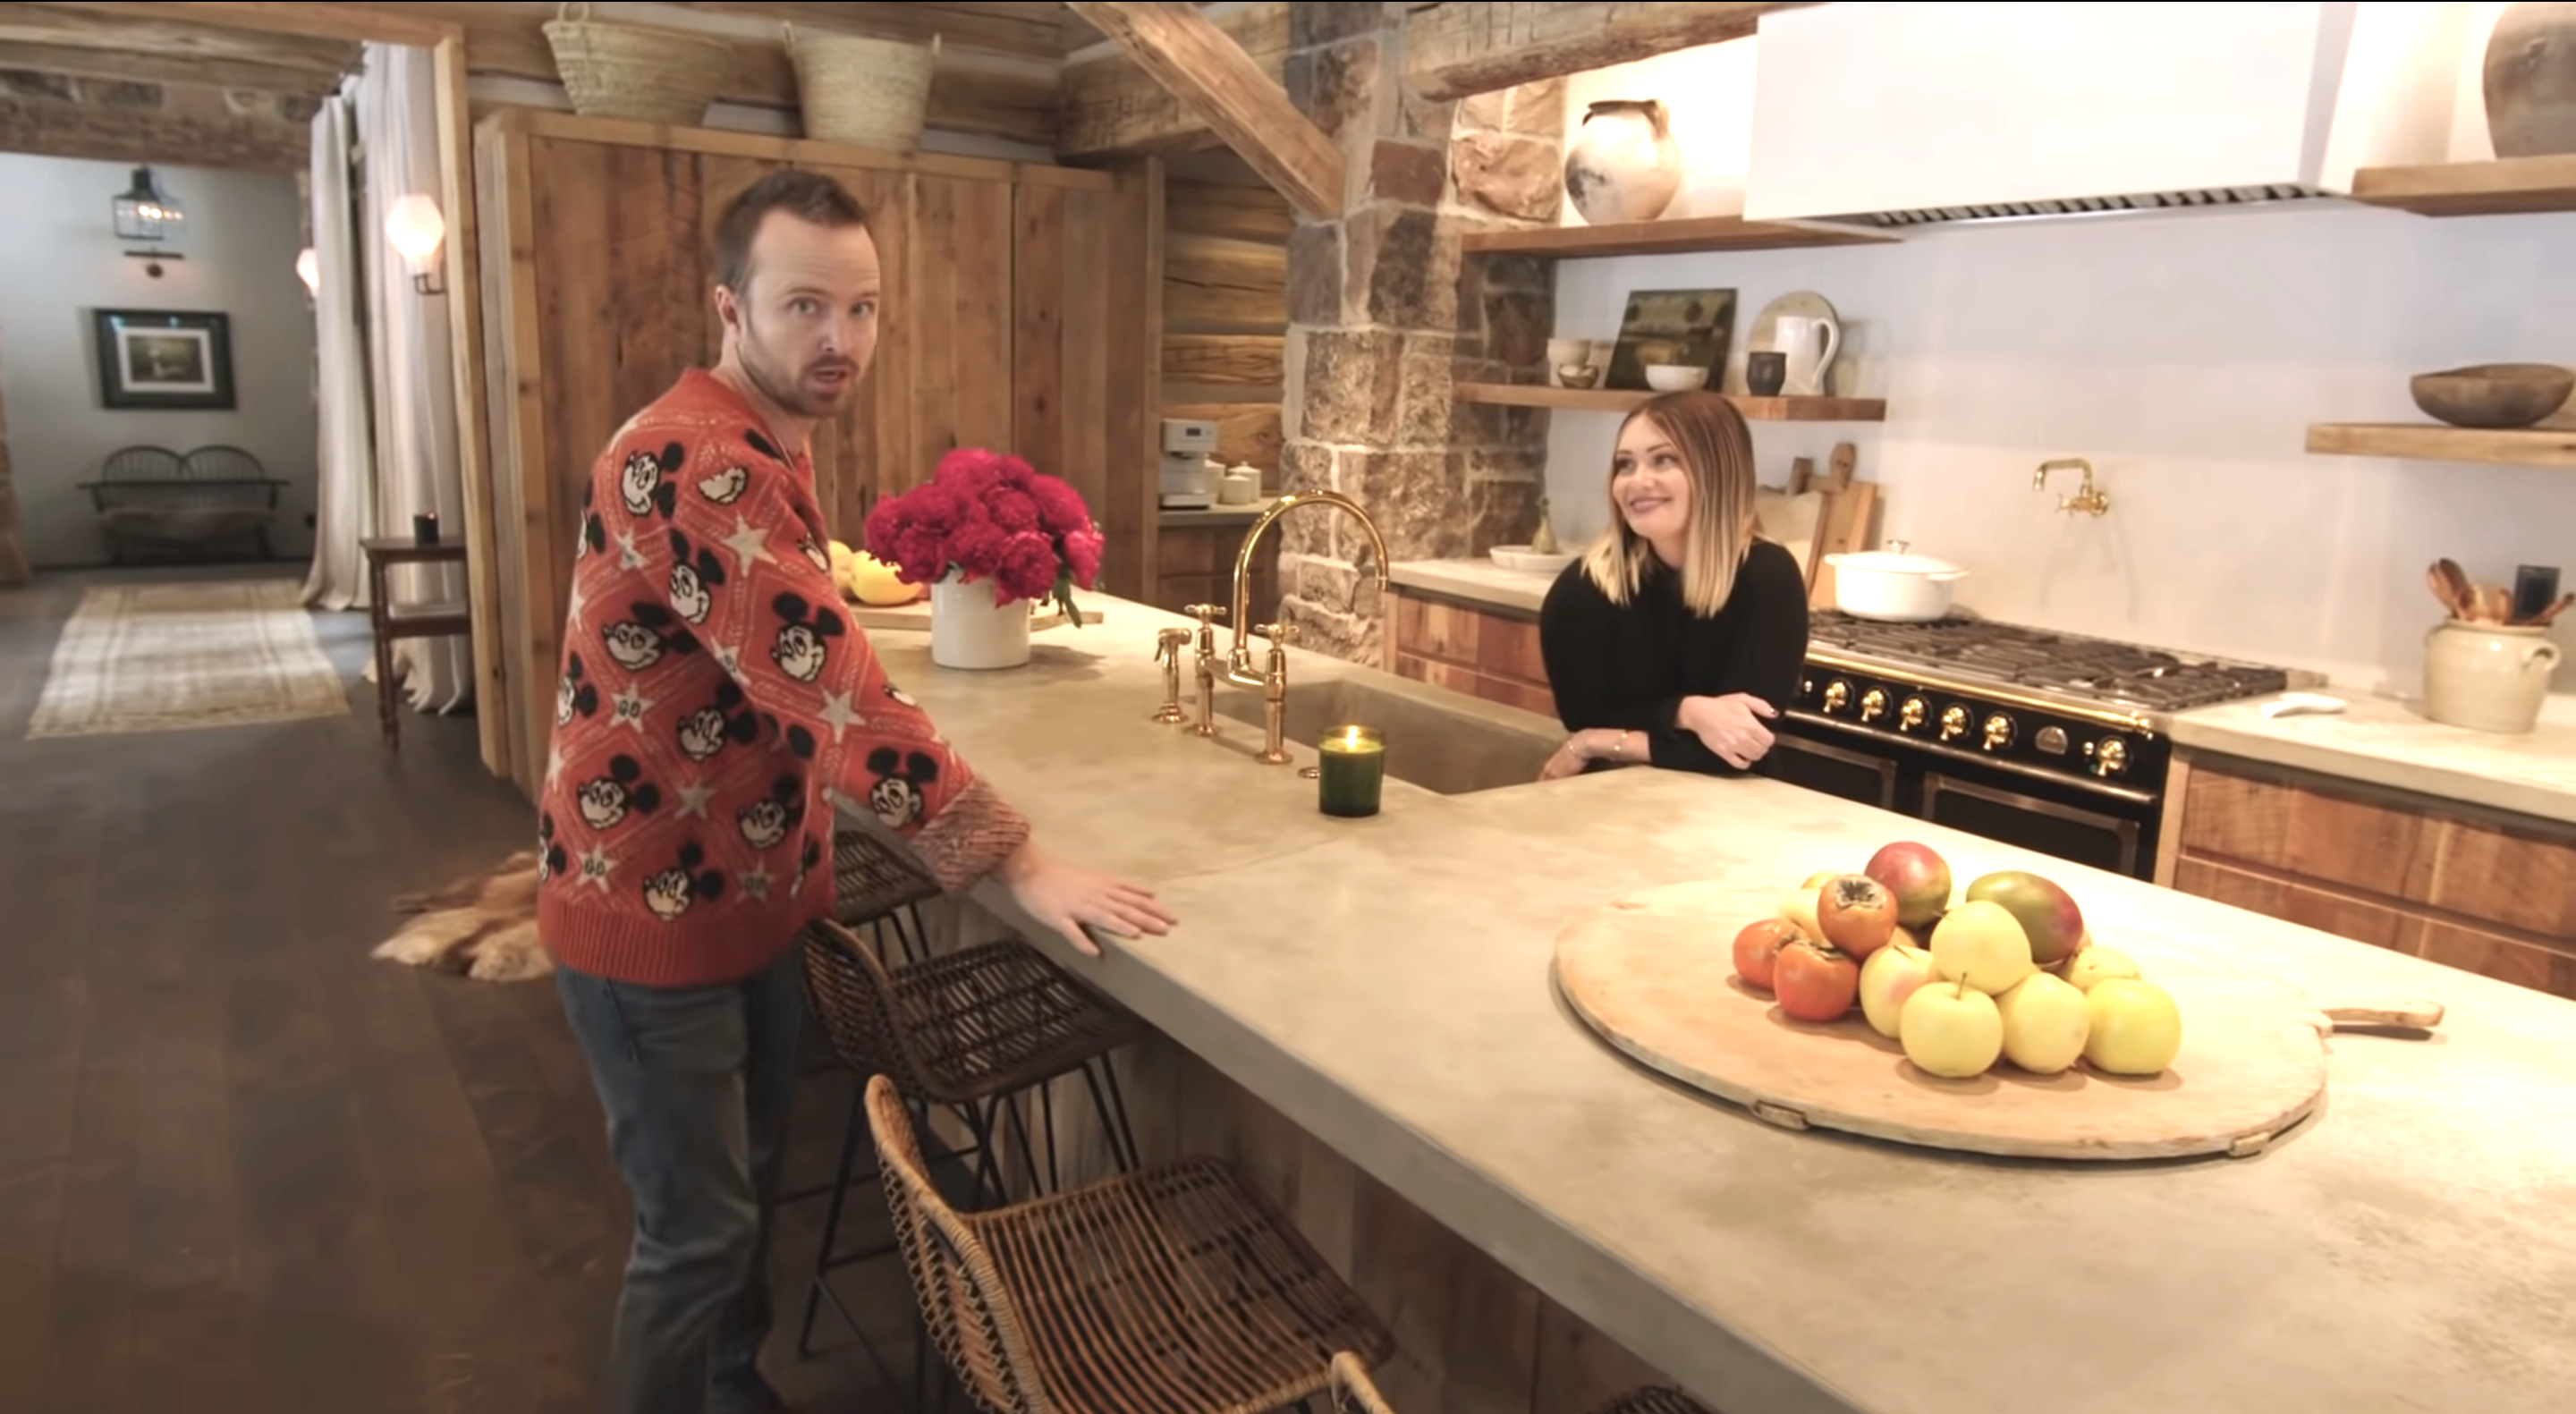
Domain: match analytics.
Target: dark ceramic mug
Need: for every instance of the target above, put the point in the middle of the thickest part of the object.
(1765, 371)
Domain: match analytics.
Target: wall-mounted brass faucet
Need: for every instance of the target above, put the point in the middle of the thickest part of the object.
(2086, 499)
(1238, 668)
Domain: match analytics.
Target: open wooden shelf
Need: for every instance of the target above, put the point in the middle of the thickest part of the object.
(1675, 237)
(2436, 442)
(1535, 395)
(2507, 186)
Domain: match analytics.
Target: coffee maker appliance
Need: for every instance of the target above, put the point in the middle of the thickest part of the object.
(1189, 467)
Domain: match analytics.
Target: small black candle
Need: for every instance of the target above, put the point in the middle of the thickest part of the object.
(2535, 587)
(424, 528)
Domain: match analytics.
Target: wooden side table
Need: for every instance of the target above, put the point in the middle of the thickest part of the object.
(439, 619)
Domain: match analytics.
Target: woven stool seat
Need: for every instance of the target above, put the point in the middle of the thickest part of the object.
(1652, 1399)
(1175, 1290)
(964, 1026)
(870, 880)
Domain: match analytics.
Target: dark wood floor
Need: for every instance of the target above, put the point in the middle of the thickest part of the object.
(244, 1166)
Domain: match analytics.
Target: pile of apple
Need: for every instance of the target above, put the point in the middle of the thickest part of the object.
(2008, 972)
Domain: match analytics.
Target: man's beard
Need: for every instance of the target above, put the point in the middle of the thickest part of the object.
(786, 387)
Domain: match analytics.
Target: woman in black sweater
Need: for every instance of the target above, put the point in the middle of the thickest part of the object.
(1681, 631)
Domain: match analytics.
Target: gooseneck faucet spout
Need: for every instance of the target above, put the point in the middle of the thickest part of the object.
(1238, 668)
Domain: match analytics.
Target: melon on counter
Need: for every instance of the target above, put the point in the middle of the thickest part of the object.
(869, 580)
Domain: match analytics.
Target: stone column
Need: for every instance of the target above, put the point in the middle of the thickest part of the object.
(1385, 318)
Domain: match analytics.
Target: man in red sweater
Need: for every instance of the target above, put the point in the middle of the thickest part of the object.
(714, 701)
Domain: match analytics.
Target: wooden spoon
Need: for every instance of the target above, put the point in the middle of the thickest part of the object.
(2541, 619)
(2499, 604)
(2463, 598)
(2441, 590)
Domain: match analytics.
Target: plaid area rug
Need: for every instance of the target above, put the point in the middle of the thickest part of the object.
(169, 657)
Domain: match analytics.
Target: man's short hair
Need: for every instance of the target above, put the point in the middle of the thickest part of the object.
(805, 195)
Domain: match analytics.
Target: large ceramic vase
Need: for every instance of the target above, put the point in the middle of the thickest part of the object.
(2487, 677)
(1624, 165)
(2530, 81)
(969, 630)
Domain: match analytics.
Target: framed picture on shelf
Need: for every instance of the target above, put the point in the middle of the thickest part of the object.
(1691, 327)
(160, 358)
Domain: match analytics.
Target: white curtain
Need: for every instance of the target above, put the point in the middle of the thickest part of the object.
(393, 113)
(345, 498)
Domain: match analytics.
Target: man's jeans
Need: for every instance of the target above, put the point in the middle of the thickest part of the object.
(696, 1083)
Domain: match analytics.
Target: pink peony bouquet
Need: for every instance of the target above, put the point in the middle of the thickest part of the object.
(987, 516)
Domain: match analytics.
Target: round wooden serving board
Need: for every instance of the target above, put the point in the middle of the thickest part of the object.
(1654, 974)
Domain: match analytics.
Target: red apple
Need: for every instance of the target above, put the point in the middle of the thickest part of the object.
(1918, 877)
(1856, 913)
(1757, 948)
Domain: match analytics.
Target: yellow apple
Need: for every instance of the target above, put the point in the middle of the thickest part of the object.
(2046, 1022)
(1890, 977)
(1950, 1030)
(1798, 906)
(872, 581)
(1817, 879)
(2096, 964)
(2136, 1028)
(1982, 945)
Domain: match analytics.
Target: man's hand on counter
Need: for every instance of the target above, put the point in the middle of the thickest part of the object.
(1068, 898)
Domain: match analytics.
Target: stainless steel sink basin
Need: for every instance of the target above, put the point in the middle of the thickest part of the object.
(1437, 740)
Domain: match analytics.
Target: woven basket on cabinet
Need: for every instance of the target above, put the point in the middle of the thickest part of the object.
(862, 91)
(613, 70)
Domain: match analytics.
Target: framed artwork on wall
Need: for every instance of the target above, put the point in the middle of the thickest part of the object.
(160, 358)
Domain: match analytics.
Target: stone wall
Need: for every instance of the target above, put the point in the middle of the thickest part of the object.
(1385, 318)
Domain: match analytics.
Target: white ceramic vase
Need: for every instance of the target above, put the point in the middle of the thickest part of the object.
(1624, 165)
(2487, 677)
(969, 630)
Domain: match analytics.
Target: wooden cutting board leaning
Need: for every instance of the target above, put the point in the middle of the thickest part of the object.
(1654, 975)
(1816, 517)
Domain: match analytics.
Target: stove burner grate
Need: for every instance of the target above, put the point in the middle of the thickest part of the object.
(2090, 669)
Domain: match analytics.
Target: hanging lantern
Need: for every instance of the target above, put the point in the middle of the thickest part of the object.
(416, 229)
(146, 213)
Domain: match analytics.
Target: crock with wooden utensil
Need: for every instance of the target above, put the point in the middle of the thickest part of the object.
(2487, 666)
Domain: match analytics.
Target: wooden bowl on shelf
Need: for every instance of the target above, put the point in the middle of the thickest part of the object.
(2493, 394)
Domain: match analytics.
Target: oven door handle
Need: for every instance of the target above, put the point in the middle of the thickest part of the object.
(2072, 781)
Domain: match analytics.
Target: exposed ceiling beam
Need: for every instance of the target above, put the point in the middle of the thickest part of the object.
(350, 23)
(100, 132)
(1114, 108)
(82, 28)
(1032, 30)
(1214, 79)
(139, 67)
(1460, 47)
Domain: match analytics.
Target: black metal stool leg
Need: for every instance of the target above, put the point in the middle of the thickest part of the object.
(1028, 1152)
(815, 1293)
(1113, 1126)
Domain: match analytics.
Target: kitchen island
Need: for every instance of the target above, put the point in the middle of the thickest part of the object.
(1382, 984)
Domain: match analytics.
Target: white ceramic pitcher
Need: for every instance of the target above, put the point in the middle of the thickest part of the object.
(1810, 342)
(2487, 677)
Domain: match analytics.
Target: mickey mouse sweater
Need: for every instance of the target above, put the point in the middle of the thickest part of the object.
(712, 693)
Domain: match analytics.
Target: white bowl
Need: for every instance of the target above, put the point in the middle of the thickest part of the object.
(1527, 560)
(1675, 377)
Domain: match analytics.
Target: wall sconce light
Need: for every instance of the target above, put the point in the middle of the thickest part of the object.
(417, 230)
(308, 268)
(146, 214)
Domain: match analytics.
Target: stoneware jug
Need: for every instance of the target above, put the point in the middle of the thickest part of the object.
(1624, 166)
(1810, 341)
(2487, 677)
(2530, 80)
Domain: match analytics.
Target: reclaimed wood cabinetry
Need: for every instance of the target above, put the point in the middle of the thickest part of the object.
(2483, 891)
(1016, 299)
(1478, 649)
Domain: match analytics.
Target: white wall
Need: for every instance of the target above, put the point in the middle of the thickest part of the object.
(2184, 356)
(60, 259)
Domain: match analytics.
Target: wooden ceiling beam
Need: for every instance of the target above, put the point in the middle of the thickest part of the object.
(1114, 108)
(1030, 30)
(100, 132)
(401, 24)
(138, 67)
(131, 31)
(1456, 48)
(1219, 83)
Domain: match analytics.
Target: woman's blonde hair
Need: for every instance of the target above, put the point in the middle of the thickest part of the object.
(1717, 449)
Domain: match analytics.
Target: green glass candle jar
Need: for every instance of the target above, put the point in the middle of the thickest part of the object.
(1350, 768)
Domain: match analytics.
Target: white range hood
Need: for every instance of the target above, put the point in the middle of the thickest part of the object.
(1900, 114)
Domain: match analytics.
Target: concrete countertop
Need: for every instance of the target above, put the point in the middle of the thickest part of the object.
(1244, 514)
(1384, 984)
(2390, 743)
(1479, 581)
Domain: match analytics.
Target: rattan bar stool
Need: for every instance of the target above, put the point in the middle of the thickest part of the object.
(876, 888)
(970, 1031)
(1355, 1393)
(1174, 1290)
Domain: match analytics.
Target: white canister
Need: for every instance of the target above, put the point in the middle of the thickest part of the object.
(2487, 677)
(1240, 486)
(969, 630)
